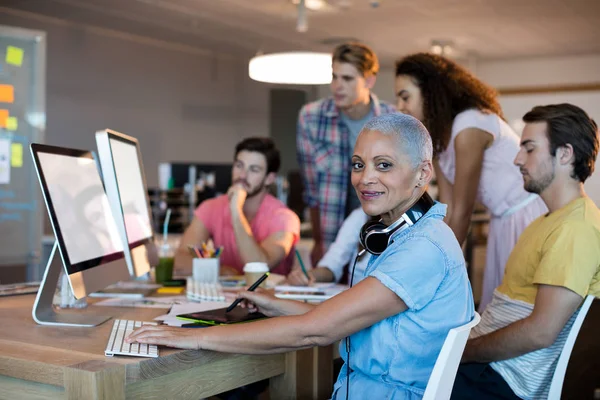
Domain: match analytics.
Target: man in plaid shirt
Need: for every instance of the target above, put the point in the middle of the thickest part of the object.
(327, 132)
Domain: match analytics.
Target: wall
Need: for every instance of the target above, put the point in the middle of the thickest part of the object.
(187, 104)
(285, 104)
(540, 71)
(183, 104)
(547, 71)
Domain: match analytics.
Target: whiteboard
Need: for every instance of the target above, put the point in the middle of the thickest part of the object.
(515, 106)
(22, 68)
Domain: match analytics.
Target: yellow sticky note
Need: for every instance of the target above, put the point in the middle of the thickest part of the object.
(7, 93)
(12, 123)
(3, 118)
(14, 56)
(170, 290)
(16, 155)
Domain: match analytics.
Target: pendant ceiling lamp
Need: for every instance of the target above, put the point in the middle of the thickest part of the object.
(298, 68)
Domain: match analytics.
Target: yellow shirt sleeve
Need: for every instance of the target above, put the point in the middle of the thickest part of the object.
(570, 257)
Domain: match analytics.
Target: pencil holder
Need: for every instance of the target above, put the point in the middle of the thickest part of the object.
(206, 270)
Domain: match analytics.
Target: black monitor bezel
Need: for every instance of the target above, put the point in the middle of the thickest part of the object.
(63, 151)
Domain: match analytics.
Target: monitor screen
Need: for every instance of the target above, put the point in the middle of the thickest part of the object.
(132, 191)
(81, 208)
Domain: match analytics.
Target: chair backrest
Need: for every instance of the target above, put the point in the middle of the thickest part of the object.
(442, 377)
(561, 366)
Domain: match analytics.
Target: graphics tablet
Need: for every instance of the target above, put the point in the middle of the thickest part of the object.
(220, 317)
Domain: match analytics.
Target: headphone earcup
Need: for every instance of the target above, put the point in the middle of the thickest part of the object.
(373, 237)
(366, 228)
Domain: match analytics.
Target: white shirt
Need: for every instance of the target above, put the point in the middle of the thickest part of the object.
(345, 248)
(501, 184)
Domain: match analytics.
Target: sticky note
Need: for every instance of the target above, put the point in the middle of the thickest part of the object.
(14, 56)
(12, 123)
(3, 118)
(16, 155)
(170, 290)
(7, 93)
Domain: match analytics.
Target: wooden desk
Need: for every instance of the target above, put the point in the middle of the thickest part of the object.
(42, 362)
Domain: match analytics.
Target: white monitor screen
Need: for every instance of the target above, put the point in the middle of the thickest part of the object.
(132, 191)
(81, 207)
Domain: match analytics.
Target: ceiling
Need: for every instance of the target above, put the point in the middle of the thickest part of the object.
(484, 29)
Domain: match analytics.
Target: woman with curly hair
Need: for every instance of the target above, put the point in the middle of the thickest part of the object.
(474, 151)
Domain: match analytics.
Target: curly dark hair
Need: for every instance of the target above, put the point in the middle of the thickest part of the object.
(447, 90)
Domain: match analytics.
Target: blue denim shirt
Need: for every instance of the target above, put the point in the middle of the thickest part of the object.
(425, 267)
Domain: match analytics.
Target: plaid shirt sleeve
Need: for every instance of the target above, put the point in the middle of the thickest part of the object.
(305, 148)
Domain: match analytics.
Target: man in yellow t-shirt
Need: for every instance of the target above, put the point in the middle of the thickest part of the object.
(513, 352)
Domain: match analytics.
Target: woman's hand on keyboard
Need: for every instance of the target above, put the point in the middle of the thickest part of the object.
(166, 336)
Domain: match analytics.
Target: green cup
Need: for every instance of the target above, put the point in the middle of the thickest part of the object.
(164, 270)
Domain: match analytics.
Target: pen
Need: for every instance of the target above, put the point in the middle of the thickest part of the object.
(250, 289)
(302, 264)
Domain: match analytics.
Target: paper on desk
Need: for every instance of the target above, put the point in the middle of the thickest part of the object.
(147, 302)
(187, 308)
(230, 281)
(135, 285)
(190, 307)
(316, 287)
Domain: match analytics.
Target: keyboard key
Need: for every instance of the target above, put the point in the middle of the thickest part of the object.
(116, 342)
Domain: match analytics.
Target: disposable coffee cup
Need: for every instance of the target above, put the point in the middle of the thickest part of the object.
(253, 271)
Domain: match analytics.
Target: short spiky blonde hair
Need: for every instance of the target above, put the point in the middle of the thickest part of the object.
(359, 55)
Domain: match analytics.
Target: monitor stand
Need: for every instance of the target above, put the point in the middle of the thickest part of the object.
(43, 312)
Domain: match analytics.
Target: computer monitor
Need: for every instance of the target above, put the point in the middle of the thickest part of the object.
(87, 238)
(125, 183)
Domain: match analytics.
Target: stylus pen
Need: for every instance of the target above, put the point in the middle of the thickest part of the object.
(302, 264)
(250, 289)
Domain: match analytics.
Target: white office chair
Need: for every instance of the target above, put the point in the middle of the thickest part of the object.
(442, 377)
(561, 367)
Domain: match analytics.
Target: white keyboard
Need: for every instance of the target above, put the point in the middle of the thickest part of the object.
(202, 291)
(117, 345)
